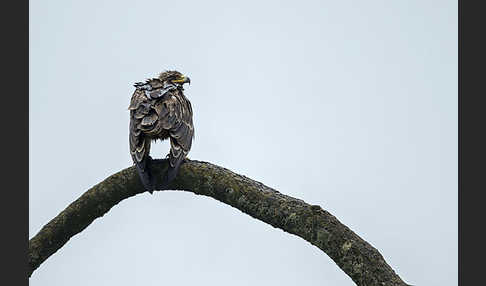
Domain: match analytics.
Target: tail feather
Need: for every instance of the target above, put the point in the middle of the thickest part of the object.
(176, 157)
(172, 172)
(145, 175)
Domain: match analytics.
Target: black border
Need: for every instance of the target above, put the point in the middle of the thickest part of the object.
(459, 143)
(471, 143)
(15, 144)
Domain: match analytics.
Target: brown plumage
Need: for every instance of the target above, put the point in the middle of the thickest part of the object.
(159, 110)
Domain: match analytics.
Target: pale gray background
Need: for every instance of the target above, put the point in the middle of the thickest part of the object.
(351, 105)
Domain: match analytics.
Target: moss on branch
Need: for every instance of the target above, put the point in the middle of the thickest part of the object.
(357, 258)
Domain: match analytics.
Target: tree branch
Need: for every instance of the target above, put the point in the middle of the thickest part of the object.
(357, 258)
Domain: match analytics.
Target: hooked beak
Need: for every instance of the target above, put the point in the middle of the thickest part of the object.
(184, 79)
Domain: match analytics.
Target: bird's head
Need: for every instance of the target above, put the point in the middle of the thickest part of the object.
(174, 77)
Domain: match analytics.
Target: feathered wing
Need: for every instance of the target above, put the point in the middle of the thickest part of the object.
(160, 113)
(176, 118)
(141, 119)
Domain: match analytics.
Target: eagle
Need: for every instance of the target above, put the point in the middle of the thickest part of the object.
(159, 110)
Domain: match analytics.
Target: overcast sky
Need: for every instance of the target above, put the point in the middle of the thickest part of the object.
(351, 105)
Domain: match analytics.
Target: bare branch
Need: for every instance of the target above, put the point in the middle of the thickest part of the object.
(357, 258)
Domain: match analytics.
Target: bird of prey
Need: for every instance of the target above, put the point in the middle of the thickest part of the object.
(159, 110)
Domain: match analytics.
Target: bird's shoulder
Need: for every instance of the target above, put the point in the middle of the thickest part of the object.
(149, 84)
(138, 98)
(155, 89)
(148, 92)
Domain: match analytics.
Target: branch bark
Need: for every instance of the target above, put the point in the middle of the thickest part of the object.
(357, 258)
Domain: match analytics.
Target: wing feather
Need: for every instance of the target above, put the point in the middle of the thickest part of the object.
(160, 112)
(139, 143)
(175, 116)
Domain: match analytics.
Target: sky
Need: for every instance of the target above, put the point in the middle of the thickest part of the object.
(351, 105)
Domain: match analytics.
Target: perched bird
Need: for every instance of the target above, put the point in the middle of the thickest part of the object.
(159, 110)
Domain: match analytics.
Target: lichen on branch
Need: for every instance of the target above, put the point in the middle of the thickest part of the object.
(357, 258)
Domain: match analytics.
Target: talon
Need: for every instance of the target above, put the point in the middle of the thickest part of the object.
(146, 178)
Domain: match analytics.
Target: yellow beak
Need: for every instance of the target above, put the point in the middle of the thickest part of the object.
(183, 79)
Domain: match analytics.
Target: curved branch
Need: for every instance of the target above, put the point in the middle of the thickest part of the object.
(357, 258)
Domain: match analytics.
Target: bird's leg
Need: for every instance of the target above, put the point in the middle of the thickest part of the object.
(145, 178)
(151, 176)
(145, 173)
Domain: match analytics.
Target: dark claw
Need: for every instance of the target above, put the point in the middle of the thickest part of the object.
(146, 177)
